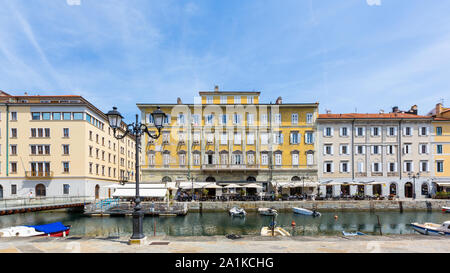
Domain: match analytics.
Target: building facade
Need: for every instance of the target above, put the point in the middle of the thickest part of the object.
(59, 146)
(441, 147)
(375, 154)
(230, 137)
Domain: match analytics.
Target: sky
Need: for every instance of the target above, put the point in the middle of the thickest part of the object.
(350, 56)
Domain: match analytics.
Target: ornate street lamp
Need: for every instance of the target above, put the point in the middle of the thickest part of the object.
(413, 176)
(137, 130)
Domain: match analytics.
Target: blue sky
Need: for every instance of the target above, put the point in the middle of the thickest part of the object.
(352, 55)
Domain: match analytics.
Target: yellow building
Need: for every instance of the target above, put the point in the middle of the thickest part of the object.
(441, 146)
(59, 146)
(229, 136)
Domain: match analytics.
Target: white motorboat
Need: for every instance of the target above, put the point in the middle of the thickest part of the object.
(235, 211)
(446, 209)
(278, 231)
(19, 231)
(432, 229)
(267, 211)
(306, 212)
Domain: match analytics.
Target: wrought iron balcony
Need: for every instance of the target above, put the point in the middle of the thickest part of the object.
(38, 174)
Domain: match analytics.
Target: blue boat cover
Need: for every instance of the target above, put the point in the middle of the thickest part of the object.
(50, 228)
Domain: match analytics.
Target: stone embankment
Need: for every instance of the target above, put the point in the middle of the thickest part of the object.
(342, 205)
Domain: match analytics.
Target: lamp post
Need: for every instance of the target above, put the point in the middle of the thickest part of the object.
(413, 176)
(137, 130)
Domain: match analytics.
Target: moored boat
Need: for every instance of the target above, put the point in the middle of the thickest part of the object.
(267, 211)
(277, 231)
(446, 209)
(52, 230)
(306, 212)
(352, 233)
(432, 228)
(235, 211)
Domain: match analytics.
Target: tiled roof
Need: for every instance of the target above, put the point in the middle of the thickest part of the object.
(372, 116)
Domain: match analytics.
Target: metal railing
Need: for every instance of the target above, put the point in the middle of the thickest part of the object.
(42, 174)
(23, 202)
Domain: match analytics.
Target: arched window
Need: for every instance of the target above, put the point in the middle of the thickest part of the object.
(40, 190)
(210, 179)
(295, 178)
(166, 179)
(97, 192)
(1, 192)
(251, 178)
(424, 189)
(408, 190)
(393, 189)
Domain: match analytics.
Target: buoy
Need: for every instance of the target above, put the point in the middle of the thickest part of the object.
(293, 223)
(335, 217)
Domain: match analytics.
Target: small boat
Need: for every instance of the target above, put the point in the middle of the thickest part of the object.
(352, 233)
(267, 211)
(278, 231)
(235, 211)
(52, 230)
(432, 229)
(446, 209)
(306, 212)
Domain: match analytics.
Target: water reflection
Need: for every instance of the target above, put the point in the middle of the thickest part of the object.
(209, 224)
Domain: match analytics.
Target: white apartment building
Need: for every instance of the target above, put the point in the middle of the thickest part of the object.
(372, 154)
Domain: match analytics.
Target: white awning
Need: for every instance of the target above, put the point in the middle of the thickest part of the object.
(212, 186)
(142, 186)
(444, 184)
(280, 184)
(233, 186)
(195, 185)
(253, 186)
(142, 192)
(376, 183)
(301, 184)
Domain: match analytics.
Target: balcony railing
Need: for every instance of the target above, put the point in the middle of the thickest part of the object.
(392, 174)
(37, 174)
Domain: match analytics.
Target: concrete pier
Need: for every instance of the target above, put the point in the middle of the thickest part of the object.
(328, 205)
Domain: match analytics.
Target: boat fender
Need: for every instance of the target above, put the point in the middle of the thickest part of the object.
(293, 223)
(335, 217)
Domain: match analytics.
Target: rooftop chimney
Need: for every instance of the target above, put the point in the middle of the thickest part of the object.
(216, 88)
(395, 109)
(279, 100)
(413, 109)
(438, 109)
(381, 111)
(328, 111)
(179, 101)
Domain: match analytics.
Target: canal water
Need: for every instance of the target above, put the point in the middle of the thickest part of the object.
(221, 223)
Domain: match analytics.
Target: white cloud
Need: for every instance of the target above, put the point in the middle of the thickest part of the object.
(373, 2)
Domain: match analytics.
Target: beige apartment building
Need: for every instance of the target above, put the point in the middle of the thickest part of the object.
(59, 146)
(374, 154)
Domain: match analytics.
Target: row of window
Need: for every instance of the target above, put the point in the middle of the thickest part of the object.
(378, 149)
(40, 168)
(408, 166)
(376, 131)
(278, 138)
(236, 159)
(224, 99)
(40, 189)
(39, 149)
(235, 118)
(111, 171)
